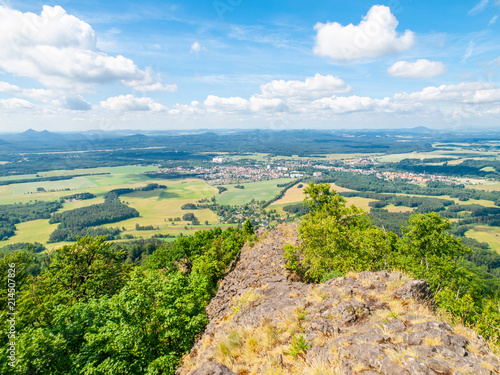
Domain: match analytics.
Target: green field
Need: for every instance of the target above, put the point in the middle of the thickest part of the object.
(326, 156)
(482, 202)
(260, 191)
(190, 189)
(484, 233)
(156, 211)
(155, 207)
(393, 208)
(32, 231)
(130, 169)
(18, 177)
(77, 183)
(487, 186)
(394, 158)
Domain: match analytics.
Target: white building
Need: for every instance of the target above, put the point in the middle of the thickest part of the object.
(218, 159)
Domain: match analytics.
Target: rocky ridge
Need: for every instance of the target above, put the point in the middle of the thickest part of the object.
(265, 321)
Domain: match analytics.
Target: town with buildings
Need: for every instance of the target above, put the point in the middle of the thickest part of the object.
(230, 170)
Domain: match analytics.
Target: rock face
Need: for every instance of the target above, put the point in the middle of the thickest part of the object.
(264, 322)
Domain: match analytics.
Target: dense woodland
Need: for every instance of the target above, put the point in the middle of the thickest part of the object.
(370, 183)
(86, 220)
(467, 168)
(83, 325)
(12, 214)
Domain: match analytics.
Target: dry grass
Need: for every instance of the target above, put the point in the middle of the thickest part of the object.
(254, 350)
(465, 371)
(399, 356)
(316, 295)
(475, 347)
(291, 324)
(271, 336)
(359, 368)
(382, 315)
(241, 345)
(242, 300)
(432, 341)
(353, 275)
(321, 339)
(345, 343)
(397, 339)
(489, 366)
(397, 283)
(397, 308)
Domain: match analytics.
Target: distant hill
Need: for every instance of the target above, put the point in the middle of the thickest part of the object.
(422, 129)
(33, 135)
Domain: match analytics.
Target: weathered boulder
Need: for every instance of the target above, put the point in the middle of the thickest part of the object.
(415, 289)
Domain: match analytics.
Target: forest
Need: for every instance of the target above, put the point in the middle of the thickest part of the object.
(79, 315)
(371, 183)
(467, 168)
(84, 220)
(12, 214)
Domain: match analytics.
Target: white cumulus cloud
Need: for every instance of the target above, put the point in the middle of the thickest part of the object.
(59, 50)
(374, 36)
(347, 104)
(215, 103)
(279, 95)
(311, 88)
(125, 103)
(15, 104)
(465, 92)
(421, 68)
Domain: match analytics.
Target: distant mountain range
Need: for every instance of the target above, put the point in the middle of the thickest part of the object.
(250, 140)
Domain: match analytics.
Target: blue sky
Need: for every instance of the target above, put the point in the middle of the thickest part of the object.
(80, 65)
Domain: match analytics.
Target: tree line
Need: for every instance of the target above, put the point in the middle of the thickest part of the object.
(83, 220)
(336, 239)
(94, 310)
(12, 214)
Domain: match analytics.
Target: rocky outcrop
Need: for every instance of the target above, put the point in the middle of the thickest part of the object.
(210, 368)
(264, 322)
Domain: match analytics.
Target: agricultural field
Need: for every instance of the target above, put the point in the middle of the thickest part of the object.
(486, 186)
(260, 191)
(359, 202)
(296, 194)
(393, 208)
(488, 234)
(77, 183)
(394, 158)
(482, 202)
(33, 231)
(292, 195)
(326, 157)
(155, 207)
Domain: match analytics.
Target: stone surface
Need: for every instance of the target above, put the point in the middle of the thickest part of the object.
(415, 289)
(210, 368)
(368, 323)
